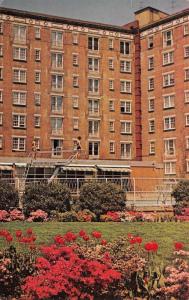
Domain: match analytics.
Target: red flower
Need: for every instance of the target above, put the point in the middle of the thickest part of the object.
(29, 231)
(103, 242)
(18, 233)
(59, 239)
(82, 233)
(9, 238)
(70, 236)
(4, 232)
(151, 246)
(85, 237)
(97, 234)
(178, 246)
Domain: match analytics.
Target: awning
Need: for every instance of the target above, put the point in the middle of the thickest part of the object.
(7, 168)
(78, 168)
(124, 169)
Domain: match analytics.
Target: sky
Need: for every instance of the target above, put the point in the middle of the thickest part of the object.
(115, 12)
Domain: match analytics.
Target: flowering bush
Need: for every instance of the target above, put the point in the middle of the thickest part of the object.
(16, 215)
(38, 216)
(4, 216)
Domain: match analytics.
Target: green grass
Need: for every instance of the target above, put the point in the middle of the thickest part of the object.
(163, 233)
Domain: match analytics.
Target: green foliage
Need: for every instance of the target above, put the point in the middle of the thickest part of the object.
(8, 196)
(181, 193)
(47, 197)
(101, 198)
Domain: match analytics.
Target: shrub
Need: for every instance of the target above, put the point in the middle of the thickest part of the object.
(38, 216)
(181, 193)
(9, 196)
(86, 216)
(47, 197)
(101, 198)
(69, 216)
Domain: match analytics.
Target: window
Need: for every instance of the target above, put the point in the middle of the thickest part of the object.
(19, 53)
(186, 29)
(111, 105)
(125, 47)
(94, 148)
(186, 51)
(150, 63)
(169, 146)
(167, 38)
(19, 33)
(93, 107)
(125, 107)
(168, 58)
(37, 142)
(37, 55)
(1, 50)
(57, 39)
(37, 99)
(1, 119)
(76, 81)
(126, 150)
(56, 104)
(57, 82)
(19, 98)
(1, 96)
(112, 126)
(151, 84)
(112, 147)
(1, 73)
(18, 143)
(75, 38)
(94, 126)
(152, 149)
(111, 64)
(93, 85)
(187, 142)
(75, 102)
(56, 60)
(186, 74)
(151, 125)
(168, 101)
(125, 86)
(93, 43)
(126, 127)
(57, 146)
(111, 85)
(169, 123)
(37, 120)
(150, 42)
(93, 64)
(19, 121)
(125, 66)
(56, 125)
(1, 27)
(75, 60)
(168, 80)
(37, 33)
(37, 76)
(170, 167)
(187, 119)
(1, 142)
(19, 76)
(75, 124)
(110, 44)
(151, 104)
(186, 96)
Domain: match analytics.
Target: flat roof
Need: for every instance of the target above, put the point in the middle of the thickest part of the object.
(149, 8)
(58, 19)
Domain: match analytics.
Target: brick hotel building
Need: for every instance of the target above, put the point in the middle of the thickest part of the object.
(123, 89)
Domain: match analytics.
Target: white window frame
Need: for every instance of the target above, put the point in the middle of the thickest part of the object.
(151, 83)
(125, 86)
(37, 99)
(111, 125)
(37, 121)
(125, 66)
(125, 127)
(1, 96)
(75, 59)
(110, 43)
(37, 76)
(57, 82)
(169, 101)
(169, 146)
(55, 108)
(93, 85)
(93, 106)
(75, 123)
(37, 32)
(125, 106)
(93, 143)
(151, 107)
(94, 44)
(170, 170)
(171, 125)
(187, 119)
(37, 55)
(187, 142)
(19, 36)
(150, 62)
(1, 142)
(19, 97)
(152, 147)
(186, 29)
(20, 122)
(125, 154)
(150, 41)
(75, 101)
(111, 64)
(168, 58)
(57, 38)
(94, 128)
(112, 147)
(19, 53)
(111, 105)
(75, 81)
(186, 74)
(186, 96)
(56, 62)
(21, 72)
(111, 84)
(21, 140)
(167, 41)
(125, 47)
(1, 72)
(151, 127)
(1, 118)
(168, 79)
(1, 50)
(75, 38)
(93, 64)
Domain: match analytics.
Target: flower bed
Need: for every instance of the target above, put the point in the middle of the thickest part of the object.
(86, 266)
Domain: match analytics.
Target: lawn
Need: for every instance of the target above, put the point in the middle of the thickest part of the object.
(163, 233)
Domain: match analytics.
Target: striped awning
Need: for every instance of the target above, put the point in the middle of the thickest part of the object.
(79, 168)
(114, 169)
(6, 168)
